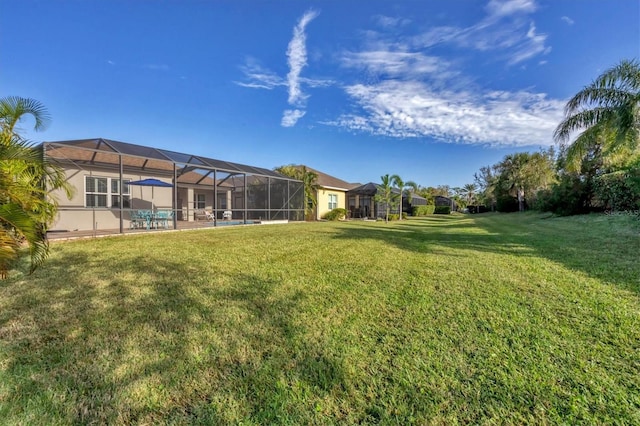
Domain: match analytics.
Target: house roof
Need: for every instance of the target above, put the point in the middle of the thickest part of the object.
(328, 181)
(440, 200)
(106, 152)
(366, 189)
(372, 188)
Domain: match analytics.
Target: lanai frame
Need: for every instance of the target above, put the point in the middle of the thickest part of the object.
(260, 193)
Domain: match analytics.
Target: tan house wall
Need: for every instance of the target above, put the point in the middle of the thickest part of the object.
(322, 206)
(73, 215)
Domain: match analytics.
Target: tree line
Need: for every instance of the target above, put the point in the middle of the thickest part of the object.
(595, 166)
(598, 170)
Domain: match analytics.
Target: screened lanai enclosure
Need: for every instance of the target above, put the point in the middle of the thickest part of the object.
(121, 187)
(362, 204)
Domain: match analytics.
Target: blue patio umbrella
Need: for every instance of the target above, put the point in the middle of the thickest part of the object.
(152, 183)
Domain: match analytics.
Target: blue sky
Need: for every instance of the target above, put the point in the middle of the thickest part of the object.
(429, 90)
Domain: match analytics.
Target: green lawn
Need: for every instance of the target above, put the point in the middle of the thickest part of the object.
(443, 320)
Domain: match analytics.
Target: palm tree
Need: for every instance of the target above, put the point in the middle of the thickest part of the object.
(411, 188)
(401, 186)
(15, 108)
(607, 111)
(486, 181)
(514, 173)
(26, 179)
(310, 180)
(468, 193)
(385, 194)
(523, 173)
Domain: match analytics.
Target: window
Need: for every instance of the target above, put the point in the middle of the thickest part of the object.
(333, 201)
(100, 190)
(200, 201)
(96, 191)
(115, 193)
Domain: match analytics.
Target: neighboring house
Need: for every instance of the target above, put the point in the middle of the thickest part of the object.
(187, 187)
(362, 204)
(440, 200)
(331, 193)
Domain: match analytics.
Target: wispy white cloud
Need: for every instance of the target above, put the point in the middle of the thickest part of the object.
(388, 22)
(297, 58)
(259, 77)
(317, 82)
(400, 91)
(384, 64)
(501, 8)
(393, 62)
(503, 28)
(420, 95)
(291, 116)
(110, 62)
(533, 45)
(568, 20)
(412, 109)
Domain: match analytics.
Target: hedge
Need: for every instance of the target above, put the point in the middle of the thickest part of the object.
(336, 214)
(424, 210)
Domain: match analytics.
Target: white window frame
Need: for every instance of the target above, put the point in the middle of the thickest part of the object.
(126, 194)
(109, 193)
(333, 201)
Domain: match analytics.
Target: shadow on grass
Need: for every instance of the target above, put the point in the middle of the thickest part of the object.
(154, 350)
(603, 252)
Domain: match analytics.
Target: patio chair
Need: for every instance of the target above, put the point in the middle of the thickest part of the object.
(200, 214)
(209, 216)
(227, 215)
(162, 217)
(138, 219)
(147, 216)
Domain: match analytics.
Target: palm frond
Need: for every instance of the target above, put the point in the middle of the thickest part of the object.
(14, 219)
(14, 108)
(625, 75)
(577, 151)
(582, 120)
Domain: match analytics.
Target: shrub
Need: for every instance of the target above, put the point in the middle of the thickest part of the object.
(393, 216)
(424, 210)
(617, 191)
(442, 210)
(569, 196)
(477, 209)
(336, 214)
(507, 204)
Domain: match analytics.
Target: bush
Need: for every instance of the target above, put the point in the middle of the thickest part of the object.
(336, 214)
(442, 210)
(617, 191)
(477, 209)
(507, 204)
(424, 210)
(569, 196)
(393, 216)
